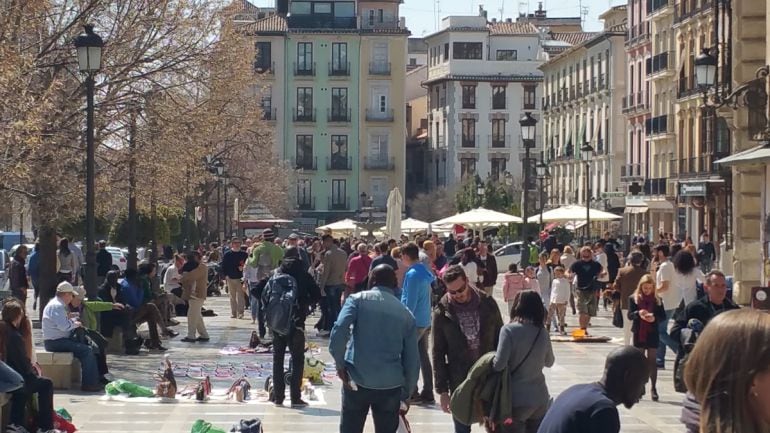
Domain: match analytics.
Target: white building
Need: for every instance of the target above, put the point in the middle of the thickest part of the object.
(482, 77)
(584, 86)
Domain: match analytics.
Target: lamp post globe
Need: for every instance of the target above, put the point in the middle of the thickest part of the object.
(528, 125)
(587, 151)
(89, 48)
(542, 170)
(705, 69)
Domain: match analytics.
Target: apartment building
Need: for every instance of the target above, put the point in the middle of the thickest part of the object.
(584, 88)
(335, 91)
(482, 77)
(636, 108)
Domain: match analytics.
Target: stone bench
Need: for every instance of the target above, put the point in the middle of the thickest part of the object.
(115, 343)
(62, 368)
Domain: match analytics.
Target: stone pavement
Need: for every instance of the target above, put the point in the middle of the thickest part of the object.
(575, 363)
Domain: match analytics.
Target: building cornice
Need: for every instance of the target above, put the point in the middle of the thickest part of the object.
(486, 78)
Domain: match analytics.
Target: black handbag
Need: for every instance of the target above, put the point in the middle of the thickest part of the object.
(617, 317)
(248, 426)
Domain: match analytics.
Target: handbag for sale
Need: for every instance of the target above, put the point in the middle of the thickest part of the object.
(239, 390)
(248, 426)
(617, 317)
(166, 386)
(203, 389)
(254, 340)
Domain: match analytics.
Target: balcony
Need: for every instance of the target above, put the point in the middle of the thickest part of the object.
(659, 63)
(379, 68)
(301, 115)
(304, 69)
(384, 24)
(306, 203)
(660, 125)
(469, 141)
(339, 203)
(269, 114)
(655, 186)
(642, 102)
(628, 103)
(638, 33)
(702, 164)
(339, 164)
(440, 142)
(379, 163)
(499, 142)
(307, 163)
(339, 69)
(262, 67)
(630, 172)
(687, 87)
(338, 115)
(673, 168)
(321, 22)
(602, 81)
(656, 5)
(600, 146)
(379, 116)
(685, 9)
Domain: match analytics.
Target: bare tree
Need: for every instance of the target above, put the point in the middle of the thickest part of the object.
(433, 206)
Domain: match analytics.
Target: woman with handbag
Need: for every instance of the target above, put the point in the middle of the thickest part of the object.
(525, 349)
(645, 310)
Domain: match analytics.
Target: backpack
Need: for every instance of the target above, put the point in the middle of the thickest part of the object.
(280, 303)
(264, 263)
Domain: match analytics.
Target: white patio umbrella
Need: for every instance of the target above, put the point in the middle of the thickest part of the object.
(479, 219)
(393, 219)
(573, 213)
(346, 226)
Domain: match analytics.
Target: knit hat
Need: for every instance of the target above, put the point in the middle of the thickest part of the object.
(268, 235)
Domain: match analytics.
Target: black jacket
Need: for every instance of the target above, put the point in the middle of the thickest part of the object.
(701, 309)
(16, 355)
(490, 270)
(103, 262)
(105, 294)
(309, 292)
(450, 355)
(17, 275)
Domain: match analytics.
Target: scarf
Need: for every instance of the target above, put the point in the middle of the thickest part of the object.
(647, 302)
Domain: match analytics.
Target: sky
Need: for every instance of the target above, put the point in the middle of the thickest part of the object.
(421, 15)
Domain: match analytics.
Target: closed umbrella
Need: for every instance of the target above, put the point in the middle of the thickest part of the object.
(393, 219)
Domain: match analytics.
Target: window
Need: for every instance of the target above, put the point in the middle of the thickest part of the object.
(446, 52)
(304, 194)
(304, 57)
(378, 146)
(467, 167)
(468, 50)
(300, 8)
(339, 159)
(304, 103)
(322, 8)
(469, 96)
(267, 107)
(469, 133)
(412, 61)
(529, 97)
(498, 133)
(507, 55)
(344, 9)
(305, 152)
(339, 194)
(340, 58)
(339, 104)
(264, 60)
(498, 97)
(498, 169)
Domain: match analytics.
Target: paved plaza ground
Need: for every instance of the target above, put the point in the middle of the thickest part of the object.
(575, 363)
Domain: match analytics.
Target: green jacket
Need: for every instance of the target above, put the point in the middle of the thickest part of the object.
(265, 257)
(90, 308)
(484, 393)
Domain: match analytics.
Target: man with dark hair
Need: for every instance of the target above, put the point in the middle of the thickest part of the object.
(450, 246)
(231, 267)
(707, 307)
(587, 271)
(664, 277)
(466, 325)
(332, 280)
(490, 267)
(625, 284)
(378, 369)
(592, 407)
(415, 295)
(385, 258)
(103, 262)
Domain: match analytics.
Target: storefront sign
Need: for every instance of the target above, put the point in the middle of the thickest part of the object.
(692, 189)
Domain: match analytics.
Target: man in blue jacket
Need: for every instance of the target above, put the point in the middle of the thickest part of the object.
(416, 296)
(378, 369)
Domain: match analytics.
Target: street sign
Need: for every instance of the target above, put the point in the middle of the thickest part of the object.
(613, 194)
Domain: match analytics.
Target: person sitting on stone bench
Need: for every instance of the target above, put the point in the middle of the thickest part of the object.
(112, 292)
(87, 311)
(14, 352)
(155, 294)
(58, 325)
(142, 309)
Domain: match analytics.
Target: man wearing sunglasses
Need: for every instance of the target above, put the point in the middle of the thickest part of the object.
(466, 325)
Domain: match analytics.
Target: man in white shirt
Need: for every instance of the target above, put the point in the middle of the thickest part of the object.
(57, 328)
(671, 296)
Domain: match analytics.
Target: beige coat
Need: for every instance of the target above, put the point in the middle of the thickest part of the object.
(199, 278)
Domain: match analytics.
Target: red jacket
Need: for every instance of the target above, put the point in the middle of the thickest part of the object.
(358, 270)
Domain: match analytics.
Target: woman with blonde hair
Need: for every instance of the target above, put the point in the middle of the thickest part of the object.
(645, 311)
(728, 373)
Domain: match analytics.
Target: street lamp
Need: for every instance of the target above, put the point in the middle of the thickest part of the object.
(542, 176)
(705, 70)
(587, 152)
(480, 191)
(528, 126)
(89, 51)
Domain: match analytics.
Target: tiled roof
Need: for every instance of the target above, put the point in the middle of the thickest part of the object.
(513, 28)
(271, 24)
(239, 6)
(574, 38)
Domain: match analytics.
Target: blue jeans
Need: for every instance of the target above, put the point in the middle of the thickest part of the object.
(83, 352)
(333, 296)
(665, 339)
(384, 403)
(460, 427)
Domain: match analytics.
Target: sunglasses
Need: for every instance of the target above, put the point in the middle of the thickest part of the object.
(457, 292)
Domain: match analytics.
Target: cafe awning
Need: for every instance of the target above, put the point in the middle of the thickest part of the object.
(755, 155)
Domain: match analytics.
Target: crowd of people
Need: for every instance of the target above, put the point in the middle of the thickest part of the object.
(412, 319)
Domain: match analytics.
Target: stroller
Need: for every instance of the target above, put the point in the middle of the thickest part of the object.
(215, 282)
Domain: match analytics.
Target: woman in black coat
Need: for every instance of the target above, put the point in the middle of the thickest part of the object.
(645, 310)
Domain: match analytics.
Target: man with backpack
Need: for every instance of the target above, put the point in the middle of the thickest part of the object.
(287, 297)
(266, 256)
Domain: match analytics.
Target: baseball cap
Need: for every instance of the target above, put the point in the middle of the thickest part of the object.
(80, 292)
(293, 236)
(65, 287)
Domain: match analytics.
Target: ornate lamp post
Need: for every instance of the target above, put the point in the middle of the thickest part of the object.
(89, 52)
(587, 152)
(528, 126)
(542, 176)
(367, 205)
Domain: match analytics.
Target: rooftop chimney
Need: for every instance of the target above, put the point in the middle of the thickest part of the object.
(509, 20)
(540, 12)
(482, 12)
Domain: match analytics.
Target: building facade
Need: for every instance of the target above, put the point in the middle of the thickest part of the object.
(336, 95)
(482, 78)
(584, 88)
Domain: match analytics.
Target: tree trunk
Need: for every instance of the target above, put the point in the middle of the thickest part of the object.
(47, 238)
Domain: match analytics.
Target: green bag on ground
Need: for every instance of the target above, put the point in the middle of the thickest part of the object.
(201, 426)
(121, 386)
(64, 414)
